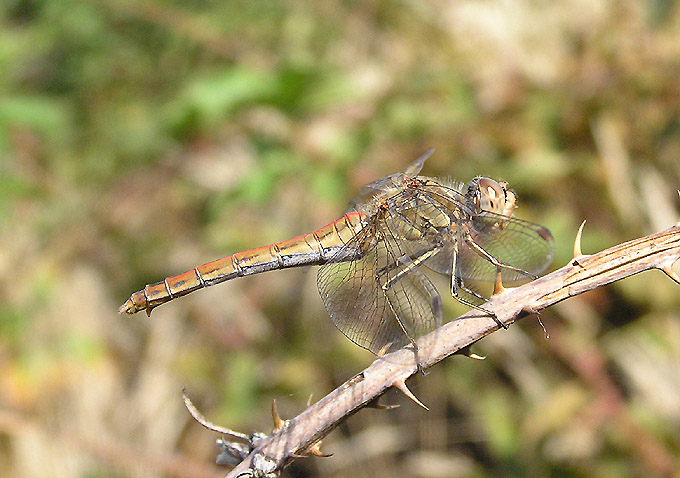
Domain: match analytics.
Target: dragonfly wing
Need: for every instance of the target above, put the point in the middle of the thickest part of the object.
(415, 167)
(378, 298)
(413, 298)
(371, 189)
(513, 242)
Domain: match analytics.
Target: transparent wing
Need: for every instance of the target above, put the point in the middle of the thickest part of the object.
(381, 184)
(376, 295)
(433, 216)
(513, 242)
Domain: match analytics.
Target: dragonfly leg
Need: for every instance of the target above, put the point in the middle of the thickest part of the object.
(480, 250)
(461, 286)
(457, 282)
(411, 263)
(406, 265)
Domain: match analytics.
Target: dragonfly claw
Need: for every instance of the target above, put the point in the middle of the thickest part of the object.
(531, 310)
(375, 403)
(499, 322)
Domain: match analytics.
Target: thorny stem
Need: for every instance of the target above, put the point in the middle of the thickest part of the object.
(583, 273)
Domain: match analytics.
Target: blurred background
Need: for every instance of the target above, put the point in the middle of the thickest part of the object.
(141, 138)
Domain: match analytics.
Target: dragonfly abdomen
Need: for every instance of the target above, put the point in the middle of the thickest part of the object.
(309, 249)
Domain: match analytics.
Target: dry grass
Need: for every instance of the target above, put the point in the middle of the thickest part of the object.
(137, 140)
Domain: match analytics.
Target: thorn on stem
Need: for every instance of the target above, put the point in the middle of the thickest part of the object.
(401, 386)
(467, 351)
(278, 422)
(498, 283)
(577, 243)
(315, 450)
(668, 270)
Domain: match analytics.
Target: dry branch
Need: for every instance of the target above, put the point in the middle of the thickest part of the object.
(301, 434)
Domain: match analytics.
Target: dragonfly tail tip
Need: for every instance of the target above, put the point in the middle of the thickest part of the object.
(126, 308)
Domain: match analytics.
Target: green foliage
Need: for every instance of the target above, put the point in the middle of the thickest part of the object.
(139, 139)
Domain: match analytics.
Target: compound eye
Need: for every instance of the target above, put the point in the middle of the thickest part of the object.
(491, 196)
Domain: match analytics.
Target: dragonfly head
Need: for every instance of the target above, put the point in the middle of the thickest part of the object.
(486, 194)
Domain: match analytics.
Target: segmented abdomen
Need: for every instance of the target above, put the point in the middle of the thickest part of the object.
(309, 249)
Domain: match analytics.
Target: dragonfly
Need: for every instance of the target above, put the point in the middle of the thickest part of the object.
(374, 260)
